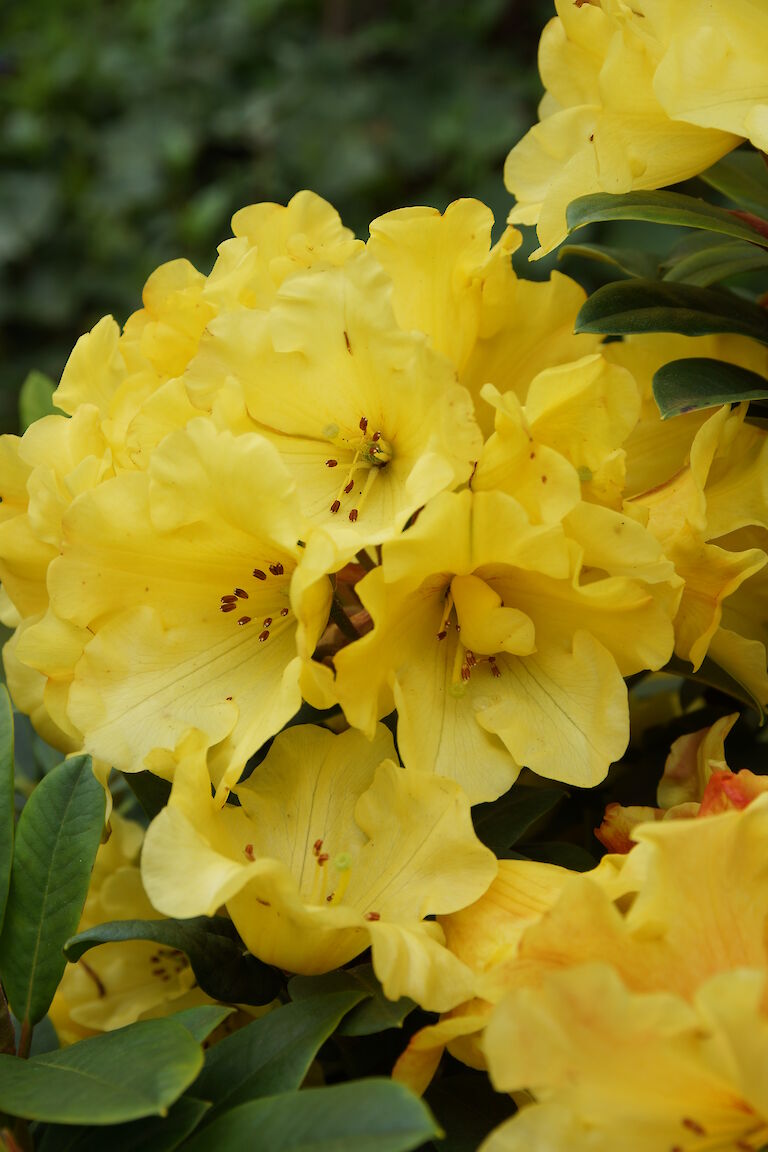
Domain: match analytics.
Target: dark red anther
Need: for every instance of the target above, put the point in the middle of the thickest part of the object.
(230, 607)
(244, 620)
(442, 635)
(373, 916)
(323, 858)
(316, 847)
(376, 436)
(465, 672)
(336, 505)
(694, 1126)
(348, 487)
(284, 611)
(471, 659)
(329, 899)
(363, 424)
(496, 671)
(249, 851)
(228, 599)
(241, 593)
(267, 621)
(353, 515)
(276, 569)
(331, 463)
(346, 341)
(263, 635)
(259, 574)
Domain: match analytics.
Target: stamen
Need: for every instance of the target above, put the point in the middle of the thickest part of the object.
(259, 574)
(348, 487)
(262, 635)
(372, 916)
(442, 631)
(249, 852)
(266, 621)
(241, 593)
(228, 607)
(470, 658)
(353, 515)
(376, 436)
(244, 620)
(284, 611)
(331, 463)
(323, 858)
(228, 599)
(317, 847)
(335, 506)
(276, 569)
(363, 424)
(694, 1126)
(495, 670)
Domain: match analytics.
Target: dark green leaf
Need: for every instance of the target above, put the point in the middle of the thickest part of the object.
(272, 1054)
(630, 306)
(467, 1107)
(218, 957)
(694, 383)
(712, 263)
(36, 399)
(56, 842)
(362, 1116)
(629, 260)
(743, 178)
(151, 1134)
(375, 1014)
(6, 797)
(151, 791)
(561, 852)
(713, 676)
(123, 1075)
(7, 1031)
(501, 823)
(201, 1021)
(660, 208)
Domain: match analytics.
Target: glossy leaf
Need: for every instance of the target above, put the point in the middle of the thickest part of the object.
(202, 1020)
(151, 791)
(218, 957)
(694, 383)
(123, 1075)
(272, 1054)
(631, 261)
(151, 1134)
(503, 822)
(714, 263)
(743, 178)
(375, 1014)
(6, 797)
(660, 208)
(36, 399)
(361, 1116)
(630, 306)
(56, 842)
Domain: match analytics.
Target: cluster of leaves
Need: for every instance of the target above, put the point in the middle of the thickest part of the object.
(709, 283)
(133, 140)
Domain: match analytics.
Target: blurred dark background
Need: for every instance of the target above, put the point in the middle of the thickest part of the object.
(132, 131)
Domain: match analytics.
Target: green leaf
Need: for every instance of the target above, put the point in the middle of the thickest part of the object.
(743, 178)
(151, 791)
(36, 399)
(222, 966)
(362, 1116)
(201, 1021)
(713, 676)
(630, 306)
(629, 260)
(375, 1014)
(151, 1134)
(272, 1054)
(503, 822)
(467, 1107)
(697, 382)
(123, 1075)
(6, 797)
(712, 263)
(56, 842)
(660, 208)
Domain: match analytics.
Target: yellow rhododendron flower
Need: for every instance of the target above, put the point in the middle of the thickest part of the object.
(617, 116)
(175, 588)
(449, 283)
(368, 419)
(117, 983)
(650, 1071)
(495, 650)
(333, 849)
(711, 519)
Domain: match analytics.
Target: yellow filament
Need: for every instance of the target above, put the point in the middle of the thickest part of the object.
(446, 612)
(318, 884)
(457, 684)
(352, 469)
(343, 865)
(368, 485)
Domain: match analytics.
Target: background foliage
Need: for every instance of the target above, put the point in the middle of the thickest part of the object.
(131, 132)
